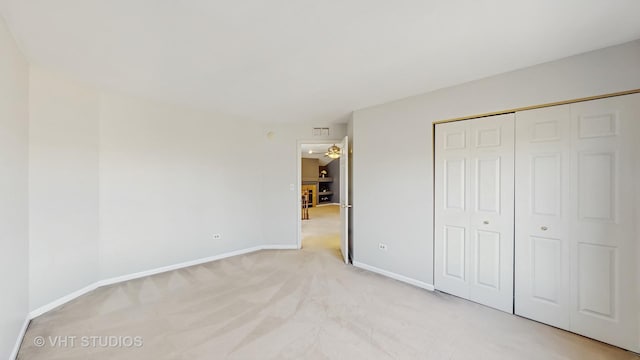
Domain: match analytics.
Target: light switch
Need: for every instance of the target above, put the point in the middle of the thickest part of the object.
(291, 187)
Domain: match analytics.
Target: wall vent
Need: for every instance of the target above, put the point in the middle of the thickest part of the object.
(320, 131)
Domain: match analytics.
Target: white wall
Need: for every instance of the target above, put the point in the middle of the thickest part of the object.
(171, 177)
(121, 185)
(63, 186)
(14, 228)
(401, 213)
(279, 171)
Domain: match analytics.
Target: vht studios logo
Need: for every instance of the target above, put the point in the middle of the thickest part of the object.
(89, 341)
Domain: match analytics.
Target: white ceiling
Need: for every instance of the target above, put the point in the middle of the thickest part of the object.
(318, 151)
(301, 60)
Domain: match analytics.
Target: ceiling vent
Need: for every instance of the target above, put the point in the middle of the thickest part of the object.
(320, 131)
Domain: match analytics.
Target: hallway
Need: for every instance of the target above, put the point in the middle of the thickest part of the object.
(322, 230)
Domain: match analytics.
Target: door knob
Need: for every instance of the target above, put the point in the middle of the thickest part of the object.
(486, 222)
(544, 228)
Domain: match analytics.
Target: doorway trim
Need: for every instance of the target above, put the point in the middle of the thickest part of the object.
(298, 186)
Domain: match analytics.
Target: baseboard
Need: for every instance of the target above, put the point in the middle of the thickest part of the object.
(23, 330)
(123, 278)
(395, 276)
(63, 300)
(118, 279)
(280, 247)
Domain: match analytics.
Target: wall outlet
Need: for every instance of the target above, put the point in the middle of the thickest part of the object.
(382, 246)
(217, 236)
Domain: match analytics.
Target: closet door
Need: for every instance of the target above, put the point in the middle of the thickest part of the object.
(542, 206)
(577, 218)
(452, 202)
(474, 210)
(604, 261)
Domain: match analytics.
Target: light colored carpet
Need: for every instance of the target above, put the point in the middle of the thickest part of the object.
(298, 304)
(322, 230)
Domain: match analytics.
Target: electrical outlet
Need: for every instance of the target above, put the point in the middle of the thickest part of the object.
(382, 246)
(217, 236)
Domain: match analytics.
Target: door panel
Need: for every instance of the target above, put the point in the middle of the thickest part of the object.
(454, 183)
(451, 226)
(596, 280)
(455, 139)
(597, 186)
(605, 280)
(491, 211)
(474, 210)
(488, 185)
(598, 125)
(547, 130)
(546, 184)
(454, 247)
(546, 264)
(488, 137)
(577, 218)
(487, 259)
(542, 265)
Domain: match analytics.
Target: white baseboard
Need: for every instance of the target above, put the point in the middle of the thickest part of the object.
(280, 247)
(127, 277)
(114, 280)
(23, 330)
(395, 276)
(63, 300)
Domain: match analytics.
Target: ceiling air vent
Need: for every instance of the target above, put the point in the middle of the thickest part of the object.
(320, 131)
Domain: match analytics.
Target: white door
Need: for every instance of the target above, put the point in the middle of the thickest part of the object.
(604, 268)
(344, 199)
(474, 210)
(577, 216)
(452, 155)
(542, 215)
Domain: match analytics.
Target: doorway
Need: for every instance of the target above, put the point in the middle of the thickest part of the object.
(323, 194)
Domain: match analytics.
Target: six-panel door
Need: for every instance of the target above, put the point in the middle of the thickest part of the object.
(542, 215)
(577, 217)
(605, 282)
(474, 210)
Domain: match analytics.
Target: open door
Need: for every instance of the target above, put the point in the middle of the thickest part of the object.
(344, 199)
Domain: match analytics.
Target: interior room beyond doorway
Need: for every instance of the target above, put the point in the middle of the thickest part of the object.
(320, 196)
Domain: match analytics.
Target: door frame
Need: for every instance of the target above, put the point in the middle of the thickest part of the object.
(298, 186)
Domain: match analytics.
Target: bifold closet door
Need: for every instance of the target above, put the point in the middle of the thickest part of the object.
(542, 218)
(474, 189)
(577, 215)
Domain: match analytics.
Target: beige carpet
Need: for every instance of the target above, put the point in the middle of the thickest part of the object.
(302, 304)
(322, 230)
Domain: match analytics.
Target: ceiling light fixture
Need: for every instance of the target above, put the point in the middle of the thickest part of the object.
(310, 151)
(333, 152)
